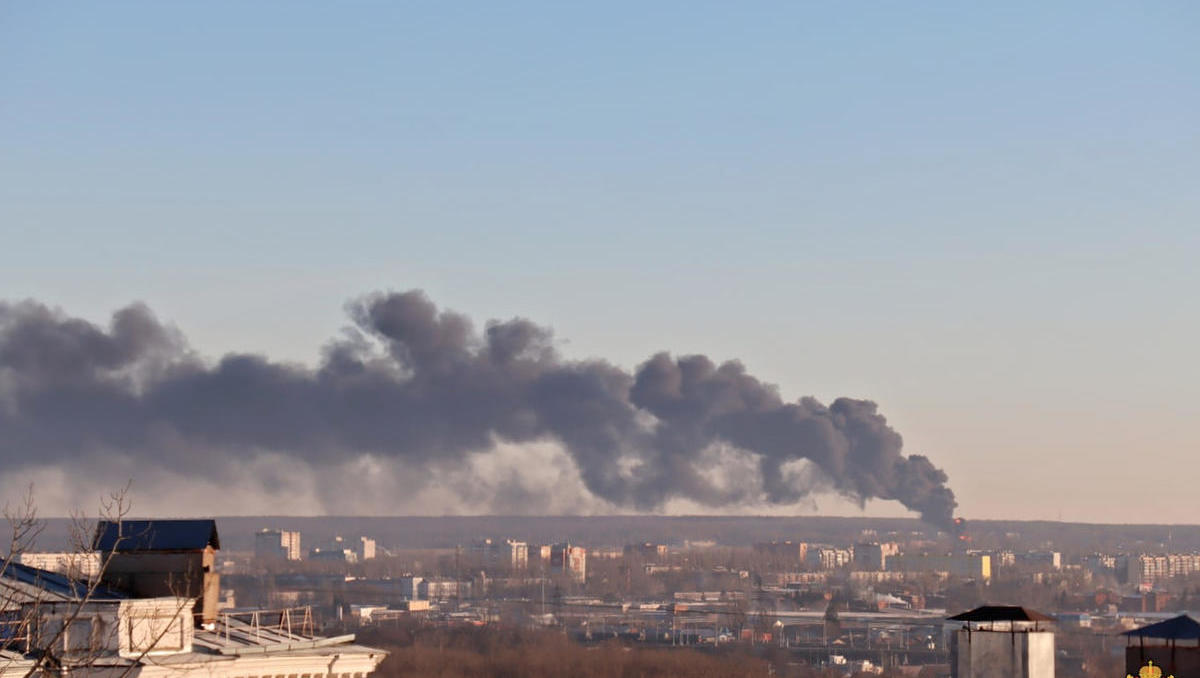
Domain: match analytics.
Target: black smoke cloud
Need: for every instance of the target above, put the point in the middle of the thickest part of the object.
(411, 382)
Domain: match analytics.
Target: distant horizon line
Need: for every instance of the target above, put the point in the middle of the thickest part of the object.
(599, 516)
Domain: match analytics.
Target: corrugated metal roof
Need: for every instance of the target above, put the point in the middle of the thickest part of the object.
(55, 583)
(1182, 627)
(156, 535)
(993, 613)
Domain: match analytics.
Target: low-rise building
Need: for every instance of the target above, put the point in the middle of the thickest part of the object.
(149, 617)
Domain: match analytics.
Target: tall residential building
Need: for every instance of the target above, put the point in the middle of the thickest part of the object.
(869, 557)
(516, 555)
(828, 557)
(365, 548)
(1146, 569)
(277, 544)
(568, 559)
(506, 556)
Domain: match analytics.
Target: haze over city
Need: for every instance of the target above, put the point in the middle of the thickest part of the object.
(980, 219)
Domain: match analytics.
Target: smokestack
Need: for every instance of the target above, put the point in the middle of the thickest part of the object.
(418, 384)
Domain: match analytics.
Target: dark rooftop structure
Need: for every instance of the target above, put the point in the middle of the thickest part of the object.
(157, 558)
(1182, 627)
(991, 613)
(156, 535)
(1003, 618)
(1173, 645)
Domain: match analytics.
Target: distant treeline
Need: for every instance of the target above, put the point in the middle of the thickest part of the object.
(237, 533)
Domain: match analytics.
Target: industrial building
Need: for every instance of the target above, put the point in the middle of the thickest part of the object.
(1002, 641)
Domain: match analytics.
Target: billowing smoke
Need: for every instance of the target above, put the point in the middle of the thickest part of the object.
(410, 382)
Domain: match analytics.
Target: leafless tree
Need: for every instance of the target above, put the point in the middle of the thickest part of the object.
(42, 617)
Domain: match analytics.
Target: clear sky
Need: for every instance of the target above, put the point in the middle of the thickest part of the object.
(985, 219)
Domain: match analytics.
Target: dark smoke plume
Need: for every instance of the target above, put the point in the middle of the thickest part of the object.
(410, 382)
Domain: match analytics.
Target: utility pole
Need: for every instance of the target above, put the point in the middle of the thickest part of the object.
(457, 577)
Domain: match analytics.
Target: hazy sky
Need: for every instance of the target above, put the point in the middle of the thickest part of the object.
(985, 219)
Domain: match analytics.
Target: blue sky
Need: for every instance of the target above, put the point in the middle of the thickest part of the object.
(983, 218)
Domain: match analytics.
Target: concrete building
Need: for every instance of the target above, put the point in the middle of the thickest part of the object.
(1000, 641)
(339, 550)
(783, 550)
(75, 565)
(828, 557)
(869, 557)
(646, 551)
(568, 559)
(410, 587)
(977, 566)
(1147, 569)
(277, 545)
(1042, 560)
(506, 556)
(1103, 563)
(365, 548)
(516, 555)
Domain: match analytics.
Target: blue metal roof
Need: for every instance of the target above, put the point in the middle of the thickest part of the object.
(156, 535)
(1178, 628)
(55, 583)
